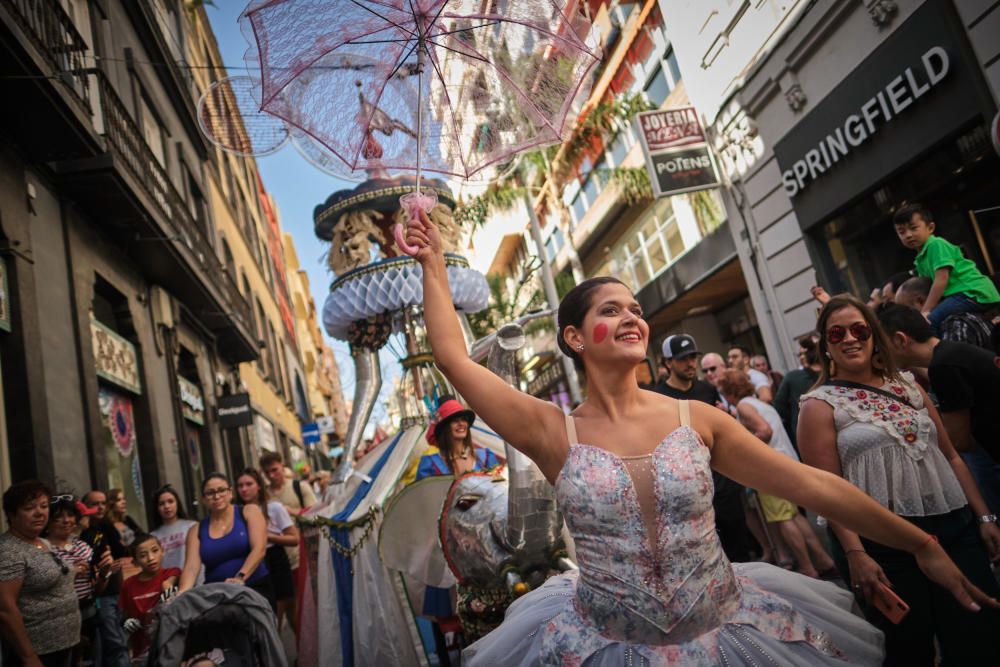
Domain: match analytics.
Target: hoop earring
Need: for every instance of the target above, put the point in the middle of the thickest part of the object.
(877, 362)
(831, 366)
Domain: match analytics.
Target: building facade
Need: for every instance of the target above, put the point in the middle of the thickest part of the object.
(676, 252)
(140, 265)
(829, 116)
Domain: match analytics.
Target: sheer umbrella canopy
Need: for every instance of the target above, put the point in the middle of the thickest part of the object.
(444, 86)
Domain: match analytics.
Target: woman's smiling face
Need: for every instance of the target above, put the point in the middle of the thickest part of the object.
(850, 353)
(613, 329)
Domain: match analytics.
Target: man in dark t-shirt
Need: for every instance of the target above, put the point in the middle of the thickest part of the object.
(680, 355)
(965, 380)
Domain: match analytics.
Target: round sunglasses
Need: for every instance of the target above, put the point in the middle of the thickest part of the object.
(837, 333)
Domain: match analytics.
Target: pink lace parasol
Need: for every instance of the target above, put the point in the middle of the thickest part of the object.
(447, 86)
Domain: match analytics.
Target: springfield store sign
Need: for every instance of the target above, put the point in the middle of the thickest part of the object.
(677, 155)
(921, 86)
(903, 91)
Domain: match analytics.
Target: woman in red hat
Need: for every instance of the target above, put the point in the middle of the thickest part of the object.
(451, 450)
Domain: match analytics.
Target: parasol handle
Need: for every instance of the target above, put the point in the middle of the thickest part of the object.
(414, 202)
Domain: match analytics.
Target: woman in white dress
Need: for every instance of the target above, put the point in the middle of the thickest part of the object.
(764, 422)
(654, 585)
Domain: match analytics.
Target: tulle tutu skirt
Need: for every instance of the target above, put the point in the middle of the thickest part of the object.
(783, 618)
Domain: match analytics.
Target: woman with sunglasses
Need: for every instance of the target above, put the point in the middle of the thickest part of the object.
(39, 615)
(230, 542)
(872, 424)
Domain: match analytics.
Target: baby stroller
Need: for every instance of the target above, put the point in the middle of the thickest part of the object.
(220, 624)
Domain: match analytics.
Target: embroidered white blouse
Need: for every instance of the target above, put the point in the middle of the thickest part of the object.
(889, 449)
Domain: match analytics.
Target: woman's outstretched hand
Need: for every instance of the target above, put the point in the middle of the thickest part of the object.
(424, 236)
(939, 568)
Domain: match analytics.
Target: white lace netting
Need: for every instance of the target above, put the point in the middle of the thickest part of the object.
(910, 478)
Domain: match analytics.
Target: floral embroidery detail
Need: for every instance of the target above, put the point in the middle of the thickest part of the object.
(909, 424)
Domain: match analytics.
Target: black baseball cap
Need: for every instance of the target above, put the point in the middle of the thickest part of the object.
(679, 346)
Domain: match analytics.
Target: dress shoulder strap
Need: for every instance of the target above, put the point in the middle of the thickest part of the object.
(684, 407)
(571, 430)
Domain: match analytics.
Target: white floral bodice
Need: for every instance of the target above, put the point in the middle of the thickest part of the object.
(889, 448)
(652, 570)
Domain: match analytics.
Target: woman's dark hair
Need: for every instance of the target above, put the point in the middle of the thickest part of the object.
(261, 499)
(210, 477)
(881, 361)
(166, 488)
(897, 280)
(574, 307)
(22, 492)
(63, 506)
(808, 344)
(114, 495)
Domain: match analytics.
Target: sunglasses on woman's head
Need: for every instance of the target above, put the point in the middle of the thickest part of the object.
(65, 498)
(837, 333)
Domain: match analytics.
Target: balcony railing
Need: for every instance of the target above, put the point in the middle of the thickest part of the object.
(55, 37)
(125, 139)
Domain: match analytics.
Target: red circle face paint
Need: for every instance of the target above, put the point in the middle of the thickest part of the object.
(600, 332)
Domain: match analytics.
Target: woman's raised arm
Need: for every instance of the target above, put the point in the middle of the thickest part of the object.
(192, 559)
(531, 425)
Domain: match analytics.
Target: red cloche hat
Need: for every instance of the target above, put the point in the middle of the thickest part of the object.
(445, 413)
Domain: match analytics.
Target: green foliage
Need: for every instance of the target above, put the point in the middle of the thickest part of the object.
(497, 197)
(503, 307)
(707, 211)
(633, 181)
(606, 117)
(564, 283)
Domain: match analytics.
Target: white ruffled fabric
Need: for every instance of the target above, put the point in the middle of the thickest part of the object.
(519, 641)
(890, 450)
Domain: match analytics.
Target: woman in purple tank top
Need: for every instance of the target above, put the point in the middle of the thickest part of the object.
(230, 542)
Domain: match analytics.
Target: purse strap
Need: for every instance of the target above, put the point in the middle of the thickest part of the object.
(847, 384)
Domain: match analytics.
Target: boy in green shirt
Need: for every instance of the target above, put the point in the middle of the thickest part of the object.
(958, 285)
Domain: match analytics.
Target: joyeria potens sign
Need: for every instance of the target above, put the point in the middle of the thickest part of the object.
(677, 156)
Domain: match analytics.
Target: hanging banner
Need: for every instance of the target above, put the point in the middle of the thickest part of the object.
(234, 411)
(192, 404)
(678, 158)
(115, 358)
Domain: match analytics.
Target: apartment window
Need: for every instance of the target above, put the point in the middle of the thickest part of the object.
(654, 244)
(152, 132)
(579, 207)
(620, 147)
(554, 244)
(658, 88)
(673, 68)
(195, 200)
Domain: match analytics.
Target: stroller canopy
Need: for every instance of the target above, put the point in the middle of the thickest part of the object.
(229, 617)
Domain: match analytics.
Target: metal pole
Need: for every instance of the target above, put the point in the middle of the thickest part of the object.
(549, 284)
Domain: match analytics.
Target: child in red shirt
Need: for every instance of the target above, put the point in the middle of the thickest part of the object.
(142, 592)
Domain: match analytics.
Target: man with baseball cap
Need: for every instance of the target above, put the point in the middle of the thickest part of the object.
(680, 354)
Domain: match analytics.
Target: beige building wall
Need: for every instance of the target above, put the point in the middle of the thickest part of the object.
(241, 230)
(326, 397)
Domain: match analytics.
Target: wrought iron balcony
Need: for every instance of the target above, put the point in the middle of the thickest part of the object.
(131, 154)
(52, 33)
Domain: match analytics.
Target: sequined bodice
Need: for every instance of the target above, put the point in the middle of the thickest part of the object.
(652, 569)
